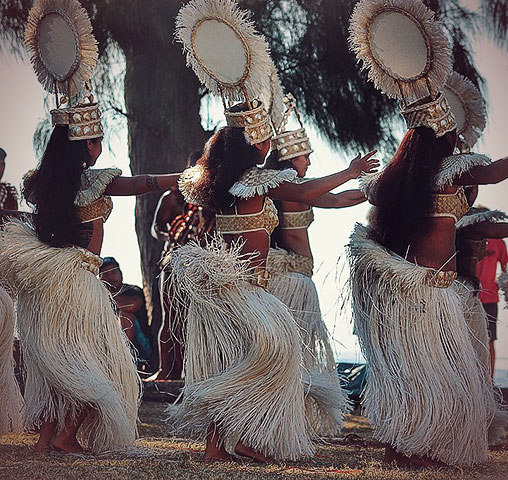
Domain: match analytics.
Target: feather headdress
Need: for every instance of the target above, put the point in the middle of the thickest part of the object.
(407, 55)
(63, 53)
(469, 109)
(231, 59)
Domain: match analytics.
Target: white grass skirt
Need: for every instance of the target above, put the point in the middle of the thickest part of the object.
(74, 351)
(242, 360)
(476, 319)
(426, 390)
(11, 402)
(325, 401)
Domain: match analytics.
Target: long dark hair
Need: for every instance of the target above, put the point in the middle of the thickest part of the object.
(404, 191)
(226, 156)
(273, 163)
(53, 188)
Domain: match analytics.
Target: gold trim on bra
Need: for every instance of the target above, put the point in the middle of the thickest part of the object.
(267, 219)
(296, 220)
(100, 209)
(452, 205)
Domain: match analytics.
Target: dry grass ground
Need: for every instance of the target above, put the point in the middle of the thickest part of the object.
(157, 457)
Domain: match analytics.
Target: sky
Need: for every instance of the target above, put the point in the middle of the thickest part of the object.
(22, 107)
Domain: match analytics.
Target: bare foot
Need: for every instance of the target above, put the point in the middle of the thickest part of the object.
(42, 447)
(425, 462)
(66, 446)
(244, 451)
(392, 456)
(217, 457)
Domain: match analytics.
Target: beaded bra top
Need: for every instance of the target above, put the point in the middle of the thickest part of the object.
(235, 224)
(296, 220)
(253, 182)
(90, 201)
(452, 205)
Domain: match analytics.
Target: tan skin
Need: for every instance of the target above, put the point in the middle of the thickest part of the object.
(65, 440)
(436, 249)
(297, 240)
(259, 242)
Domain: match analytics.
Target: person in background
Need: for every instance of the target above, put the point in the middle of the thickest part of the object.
(486, 273)
(175, 222)
(8, 193)
(130, 302)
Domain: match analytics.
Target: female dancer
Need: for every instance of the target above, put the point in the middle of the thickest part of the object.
(243, 384)
(78, 365)
(79, 368)
(291, 267)
(426, 395)
(242, 368)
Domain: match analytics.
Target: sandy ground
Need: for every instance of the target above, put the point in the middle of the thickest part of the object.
(158, 457)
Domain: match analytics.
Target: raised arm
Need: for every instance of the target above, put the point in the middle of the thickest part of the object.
(347, 198)
(141, 184)
(312, 189)
(485, 174)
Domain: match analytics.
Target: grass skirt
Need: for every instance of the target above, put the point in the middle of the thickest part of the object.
(11, 402)
(242, 360)
(476, 319)
(426, 391)
(325, 400)
(74, 351)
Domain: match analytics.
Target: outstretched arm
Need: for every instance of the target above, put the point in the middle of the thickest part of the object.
(141, 184)
(485, 174)
(308, 191)
(347, 198)
(489, 230)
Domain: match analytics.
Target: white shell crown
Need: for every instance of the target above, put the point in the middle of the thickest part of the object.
(291, 143)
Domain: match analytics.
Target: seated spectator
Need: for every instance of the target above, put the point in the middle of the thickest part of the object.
(130, 302)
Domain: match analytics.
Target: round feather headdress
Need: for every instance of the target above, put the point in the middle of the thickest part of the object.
(63, 53)
(469, 109)
(230, 59)
(407, 55)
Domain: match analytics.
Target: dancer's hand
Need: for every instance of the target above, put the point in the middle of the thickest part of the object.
(364, 164)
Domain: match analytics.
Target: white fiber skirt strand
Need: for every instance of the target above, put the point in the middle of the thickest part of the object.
(426, 391)
(75, 353)
(325, 401)
(242, 360)
(476, 319)
(11, 401)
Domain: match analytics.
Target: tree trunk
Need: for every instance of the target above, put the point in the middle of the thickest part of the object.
(162, 103)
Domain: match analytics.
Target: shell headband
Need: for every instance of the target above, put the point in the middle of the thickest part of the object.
(231, 60)
(291, 143)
